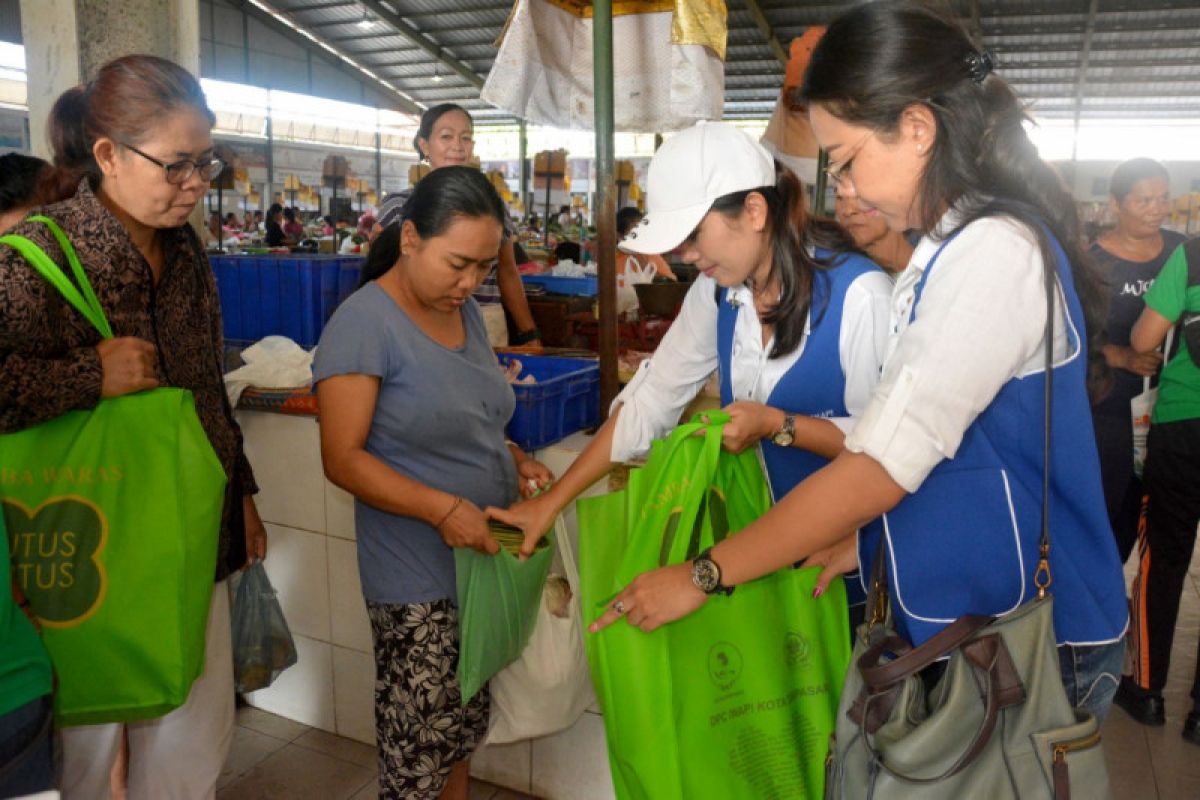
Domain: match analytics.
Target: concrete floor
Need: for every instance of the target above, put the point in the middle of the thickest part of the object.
(1156, 763)
(277, 759)
(273, 758)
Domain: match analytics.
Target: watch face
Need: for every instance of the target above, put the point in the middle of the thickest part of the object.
(783, 439)
(705, 575)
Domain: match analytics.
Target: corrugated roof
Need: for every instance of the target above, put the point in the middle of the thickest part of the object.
(1144, 54)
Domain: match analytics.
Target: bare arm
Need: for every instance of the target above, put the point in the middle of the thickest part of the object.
(512, 290)
(843, 496)
(814, 516)
(750, 422)
(1149, 331)
(347, 404)
(535, 516)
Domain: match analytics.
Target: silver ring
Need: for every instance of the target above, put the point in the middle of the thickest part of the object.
(619, 607)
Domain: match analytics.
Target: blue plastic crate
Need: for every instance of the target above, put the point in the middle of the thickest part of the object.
(348, 274)
(554, 284)
(565, 399)
(227, 289)
(292, 296)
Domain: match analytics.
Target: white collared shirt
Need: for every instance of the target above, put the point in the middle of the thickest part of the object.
(687, 356)
(980, 323)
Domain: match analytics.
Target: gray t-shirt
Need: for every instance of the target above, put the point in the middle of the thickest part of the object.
(439, 420)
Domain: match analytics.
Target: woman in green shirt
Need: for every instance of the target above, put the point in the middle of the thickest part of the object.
(26, 765)
(1171, 480)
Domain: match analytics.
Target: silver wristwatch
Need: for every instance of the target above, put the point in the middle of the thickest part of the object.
(707, 575)
(787, 434)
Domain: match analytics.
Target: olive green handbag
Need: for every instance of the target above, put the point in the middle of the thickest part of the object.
(997, 723)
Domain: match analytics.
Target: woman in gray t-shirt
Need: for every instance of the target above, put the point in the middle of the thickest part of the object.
(413, 408)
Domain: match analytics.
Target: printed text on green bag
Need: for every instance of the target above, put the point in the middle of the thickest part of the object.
(55, 554)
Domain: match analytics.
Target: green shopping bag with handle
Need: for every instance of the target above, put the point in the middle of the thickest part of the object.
(498, 598)
(738, 699)
(113, 516)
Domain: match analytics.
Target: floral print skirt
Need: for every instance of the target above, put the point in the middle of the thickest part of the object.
(421, 727)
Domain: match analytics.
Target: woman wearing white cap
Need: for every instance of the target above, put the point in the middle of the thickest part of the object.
(793, 319)
(950, 446)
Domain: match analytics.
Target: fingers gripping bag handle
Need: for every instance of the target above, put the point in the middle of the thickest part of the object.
(83, 298)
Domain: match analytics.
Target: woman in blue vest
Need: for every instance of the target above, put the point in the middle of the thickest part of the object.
(794, 321)
(949, 449)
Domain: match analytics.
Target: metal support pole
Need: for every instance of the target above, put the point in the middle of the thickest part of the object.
(1081, 84)
(606, 211)
(270, 198)
(820, 183)
(378, 159)
(523, 172)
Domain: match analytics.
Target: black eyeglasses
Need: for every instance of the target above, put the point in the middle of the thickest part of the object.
(840, 172)
(179, 171)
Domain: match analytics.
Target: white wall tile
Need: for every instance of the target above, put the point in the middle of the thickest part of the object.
(354, 694)
(339, 512)
(348, 620)
(504, 765)
(304, 691)
(296, 564)
(573, 765)
(285, 454)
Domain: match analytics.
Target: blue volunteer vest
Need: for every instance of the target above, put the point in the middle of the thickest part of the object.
(966, 542)
(814, 386)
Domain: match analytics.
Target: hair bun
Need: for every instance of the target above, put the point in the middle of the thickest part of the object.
(979, 65)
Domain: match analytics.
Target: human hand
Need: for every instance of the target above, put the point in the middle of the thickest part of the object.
(1144, 364)
(748, 423)
(535, 516)
(532, 470)
(837, 559)
(465, 526)
(256, 532)
(128, 365)
(654, 599)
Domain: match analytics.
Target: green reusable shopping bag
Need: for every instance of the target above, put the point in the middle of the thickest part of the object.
(738, 699)
(113, 516)
(498, 599)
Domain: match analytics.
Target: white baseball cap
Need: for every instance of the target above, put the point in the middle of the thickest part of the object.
(691, 170)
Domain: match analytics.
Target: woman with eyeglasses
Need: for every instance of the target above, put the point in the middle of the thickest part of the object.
(137, 144)
(949, 447)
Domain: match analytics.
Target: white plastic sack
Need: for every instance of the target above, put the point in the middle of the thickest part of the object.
(635, 272)
(275, 362)
(1141, 407)
(568, 269)
(543, 72)
(549, 687)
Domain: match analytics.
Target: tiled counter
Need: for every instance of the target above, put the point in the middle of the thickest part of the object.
(313, 565)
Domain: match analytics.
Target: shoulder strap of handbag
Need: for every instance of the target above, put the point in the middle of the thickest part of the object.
(1042, 578)
(877, 597)
(82, 298)
(1191, 252)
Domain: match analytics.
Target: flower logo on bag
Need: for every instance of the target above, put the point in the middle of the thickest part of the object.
(724, 665)
(55, 554)
(795, 649)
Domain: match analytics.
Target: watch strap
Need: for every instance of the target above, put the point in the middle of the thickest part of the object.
(706, 555)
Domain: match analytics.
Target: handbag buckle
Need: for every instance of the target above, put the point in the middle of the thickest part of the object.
(1041, 578)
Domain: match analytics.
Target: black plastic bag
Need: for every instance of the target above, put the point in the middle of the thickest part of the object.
(262, 643)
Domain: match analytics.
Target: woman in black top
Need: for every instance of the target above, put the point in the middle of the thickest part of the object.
(1128, 257)
(275, 237)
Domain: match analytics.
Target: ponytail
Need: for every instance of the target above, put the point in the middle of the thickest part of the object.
(793, 231)
(127, 98)
(73, 159)
(440, 198)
